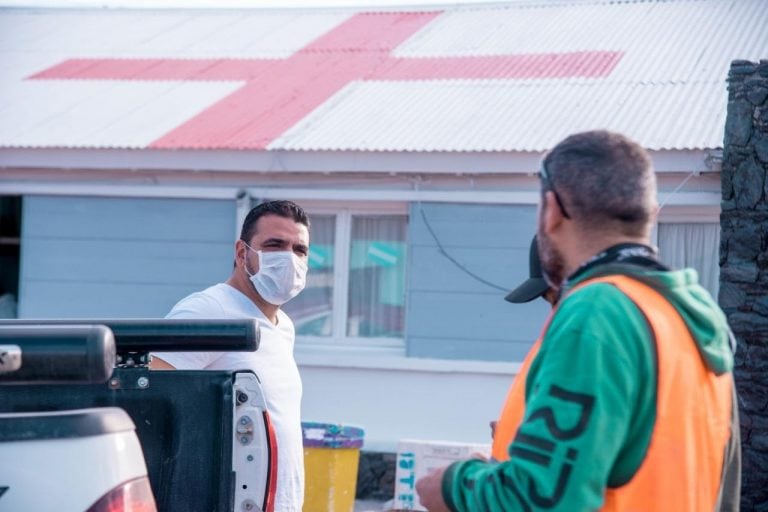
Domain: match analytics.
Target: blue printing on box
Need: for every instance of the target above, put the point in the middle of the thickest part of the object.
(328, 435)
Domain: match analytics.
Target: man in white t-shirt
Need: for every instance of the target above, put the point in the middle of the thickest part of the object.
(270, 269)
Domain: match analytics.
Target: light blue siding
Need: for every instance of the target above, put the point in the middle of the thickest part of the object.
(451, 314)
(120, 257)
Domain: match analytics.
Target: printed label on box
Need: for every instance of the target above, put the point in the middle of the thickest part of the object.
(417, 458)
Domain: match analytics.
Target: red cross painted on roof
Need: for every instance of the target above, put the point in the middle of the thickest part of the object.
(280, 92)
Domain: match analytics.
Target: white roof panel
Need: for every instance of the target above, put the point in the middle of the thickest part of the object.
(119, 114)
(485, 116)
(500, 30)
(165, 33)
(17, 66)
(301, 31)
(661, 41)
(272, 35)
(83, 34)
(138, 126)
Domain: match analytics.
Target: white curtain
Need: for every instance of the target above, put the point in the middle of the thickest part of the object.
(377, 276)
(695, 245)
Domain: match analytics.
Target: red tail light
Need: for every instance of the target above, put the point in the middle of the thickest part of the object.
(269, 499)
(132, 496)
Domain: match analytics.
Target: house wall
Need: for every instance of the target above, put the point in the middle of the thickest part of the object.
(135, 257)
(132, 256)
(451, 312)
(103, 257)
(394, 404)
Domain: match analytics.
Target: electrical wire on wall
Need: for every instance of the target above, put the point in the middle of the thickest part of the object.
(416, 183)
(450, 258)
(676, 190)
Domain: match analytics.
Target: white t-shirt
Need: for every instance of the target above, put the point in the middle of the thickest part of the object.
(276, 368)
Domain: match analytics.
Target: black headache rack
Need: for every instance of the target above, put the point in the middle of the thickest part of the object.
(206, 436)
(48, 354)
(136, 337)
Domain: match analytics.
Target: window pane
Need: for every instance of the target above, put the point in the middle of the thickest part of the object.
(311, 310)
(692, 245)
(377, 276)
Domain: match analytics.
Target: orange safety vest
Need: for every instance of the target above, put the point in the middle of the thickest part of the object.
(683, 467)
(514, 409)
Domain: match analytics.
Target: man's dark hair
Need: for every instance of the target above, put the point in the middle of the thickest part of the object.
(603, 180)
(287, 209)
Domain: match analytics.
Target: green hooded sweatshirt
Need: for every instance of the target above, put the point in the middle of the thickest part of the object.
(590, 398)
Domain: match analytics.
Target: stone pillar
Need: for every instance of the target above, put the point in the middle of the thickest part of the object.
(744, 263)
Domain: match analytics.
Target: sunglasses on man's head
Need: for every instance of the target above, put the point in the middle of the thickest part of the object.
(548, 185)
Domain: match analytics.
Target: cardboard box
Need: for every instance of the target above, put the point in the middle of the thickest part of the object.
(416, 458)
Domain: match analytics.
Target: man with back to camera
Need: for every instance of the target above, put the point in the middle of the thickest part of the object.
(270, 269)
(629, 403)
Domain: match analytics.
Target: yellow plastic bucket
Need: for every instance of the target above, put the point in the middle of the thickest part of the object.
(331, 456)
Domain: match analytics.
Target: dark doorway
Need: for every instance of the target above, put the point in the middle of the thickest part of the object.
(10, 244)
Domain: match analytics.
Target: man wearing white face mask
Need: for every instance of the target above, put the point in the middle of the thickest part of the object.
(270, 269)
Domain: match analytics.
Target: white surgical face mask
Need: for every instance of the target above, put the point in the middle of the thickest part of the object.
(281, 276)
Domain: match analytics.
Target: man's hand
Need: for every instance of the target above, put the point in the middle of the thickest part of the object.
(430, 490)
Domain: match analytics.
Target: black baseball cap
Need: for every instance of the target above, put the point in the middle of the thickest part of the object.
(535, 286)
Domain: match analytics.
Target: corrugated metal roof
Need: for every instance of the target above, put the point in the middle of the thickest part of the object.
(514, 77)
(104, 114)
(421, 116)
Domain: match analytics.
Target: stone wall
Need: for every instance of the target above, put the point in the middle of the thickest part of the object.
(376, 476)
(744, 264)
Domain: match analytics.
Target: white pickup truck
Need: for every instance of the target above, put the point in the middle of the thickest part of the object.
(93, 429)
(80, 460)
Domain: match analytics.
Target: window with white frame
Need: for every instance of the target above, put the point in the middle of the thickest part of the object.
(355, 290)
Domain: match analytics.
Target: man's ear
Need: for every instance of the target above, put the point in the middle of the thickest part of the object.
(240, 250)
(552, 215)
